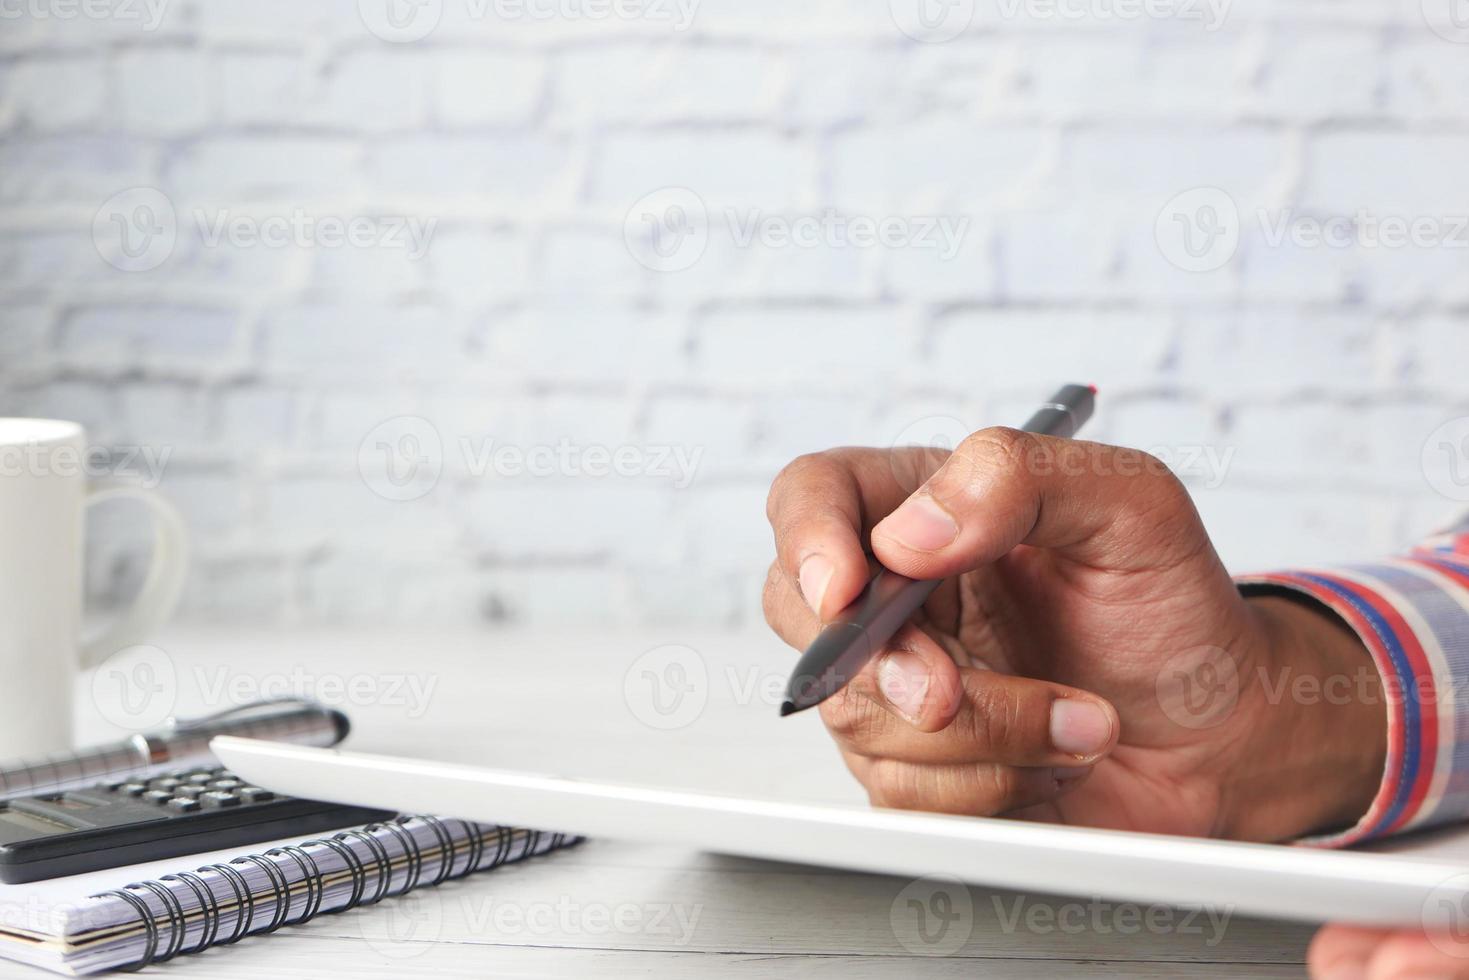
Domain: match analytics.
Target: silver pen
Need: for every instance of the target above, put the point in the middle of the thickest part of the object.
(180, 745)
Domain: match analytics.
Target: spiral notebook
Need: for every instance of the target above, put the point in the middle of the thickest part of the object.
(128, 918)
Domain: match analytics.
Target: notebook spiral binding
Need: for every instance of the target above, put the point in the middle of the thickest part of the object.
(165, 928)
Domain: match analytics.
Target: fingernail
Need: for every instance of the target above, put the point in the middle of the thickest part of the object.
(1347, 970)
(1079, 727)
(921, 524)
(815, 574)
(903, 679)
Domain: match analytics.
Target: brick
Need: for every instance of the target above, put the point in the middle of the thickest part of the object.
(1309, 76)
(1000, 351)
(1280, 353)
(485, 88)
(1423, 81)
(1136, 163)
(25, 340)
(575, 343)
(713, 435)
(472, 265)
(372, 91)
(224, 169)
(520, 518)
(259, 417)
(821, 346)
(1352, 170)
(789, 424)
(281, 21)
(161, 90)
(339, 506)
(81, 170)
(581, 263)
(1441, 351)
(727, 526)
(165, 415)
(94, 27)
(667, 83)
(54, 93)
(1081, 78)
(117, 338)
(1299, 443)
(93, 405)
(506, 169)
(566, 425)
(346, 338)
(213, 504)
(941, 166)
(722, 167)
(1261, 529)
(826, 91)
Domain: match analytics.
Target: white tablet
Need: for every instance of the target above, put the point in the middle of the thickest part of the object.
(1419, 881)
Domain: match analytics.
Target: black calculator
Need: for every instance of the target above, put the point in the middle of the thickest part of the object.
(154, 817)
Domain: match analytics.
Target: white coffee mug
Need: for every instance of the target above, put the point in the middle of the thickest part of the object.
(45, 488)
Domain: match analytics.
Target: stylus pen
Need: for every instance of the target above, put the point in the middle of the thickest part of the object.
(180, 745)
(850, 641)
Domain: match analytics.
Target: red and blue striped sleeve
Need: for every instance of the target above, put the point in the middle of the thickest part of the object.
(1412, 613)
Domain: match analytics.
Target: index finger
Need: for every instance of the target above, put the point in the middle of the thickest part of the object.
(822, 507)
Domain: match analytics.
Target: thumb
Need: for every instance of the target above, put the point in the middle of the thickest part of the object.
(1111, 507)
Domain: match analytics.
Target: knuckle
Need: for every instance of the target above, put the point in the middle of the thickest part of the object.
(792, 478)
(995, 720)
(895, 785)
(1002, 788)
(852, 717)
(996, 450)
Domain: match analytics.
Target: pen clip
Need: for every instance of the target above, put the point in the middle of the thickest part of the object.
(194, 726)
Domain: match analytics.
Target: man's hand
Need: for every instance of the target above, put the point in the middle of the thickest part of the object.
(1086, 660)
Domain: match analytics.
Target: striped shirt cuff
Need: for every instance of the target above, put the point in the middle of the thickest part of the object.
(1413, 615)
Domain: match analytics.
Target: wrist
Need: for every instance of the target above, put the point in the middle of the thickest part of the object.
(1316, 717)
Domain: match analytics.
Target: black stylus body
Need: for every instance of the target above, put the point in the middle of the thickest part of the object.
(850, 641)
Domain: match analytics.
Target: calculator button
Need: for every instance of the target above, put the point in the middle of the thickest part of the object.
(224, 784)
(218, 798)
(167, 783)
(201, 778)
(157, 796)
(254, 794)
(190, 792)
(181, 804)
(133, 789)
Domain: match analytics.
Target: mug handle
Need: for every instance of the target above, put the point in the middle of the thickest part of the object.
(159, 595)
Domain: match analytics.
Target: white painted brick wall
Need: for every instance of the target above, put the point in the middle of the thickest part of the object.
(295, 379)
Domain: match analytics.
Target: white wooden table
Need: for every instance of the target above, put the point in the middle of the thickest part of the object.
(676, 708)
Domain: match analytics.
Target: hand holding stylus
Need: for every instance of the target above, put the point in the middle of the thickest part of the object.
(1035, 680)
